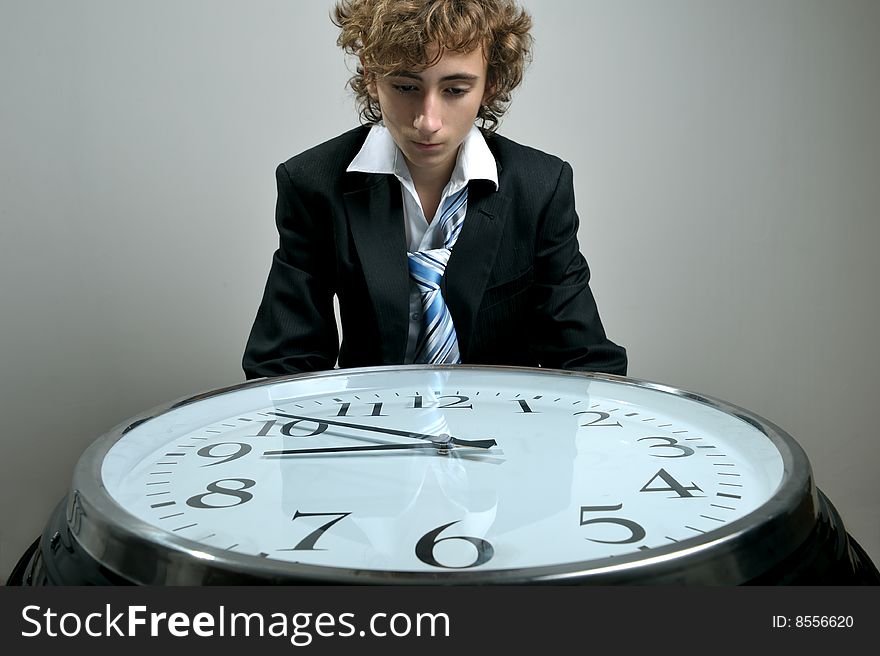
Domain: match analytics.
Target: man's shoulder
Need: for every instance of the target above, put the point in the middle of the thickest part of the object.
(516, 156)
(330, 158)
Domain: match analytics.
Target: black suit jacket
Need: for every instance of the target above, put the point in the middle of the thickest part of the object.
(516, 284)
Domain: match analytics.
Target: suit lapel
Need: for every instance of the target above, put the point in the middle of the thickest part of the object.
(472, 258)
(376, 219)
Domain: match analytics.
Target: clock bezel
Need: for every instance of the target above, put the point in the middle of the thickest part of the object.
(734, 553)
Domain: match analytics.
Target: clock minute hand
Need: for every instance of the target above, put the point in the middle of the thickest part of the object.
(434, 439)
(344, 449)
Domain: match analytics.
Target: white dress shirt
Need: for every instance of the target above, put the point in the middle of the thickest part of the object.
(380, 154)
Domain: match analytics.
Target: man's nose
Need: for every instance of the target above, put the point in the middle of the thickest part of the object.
(428, 119)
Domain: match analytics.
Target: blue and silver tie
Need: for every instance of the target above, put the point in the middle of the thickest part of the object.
(438, 343)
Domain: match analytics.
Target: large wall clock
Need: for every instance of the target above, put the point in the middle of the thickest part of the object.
(446, 475)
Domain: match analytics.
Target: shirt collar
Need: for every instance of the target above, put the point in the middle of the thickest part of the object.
(379, 154)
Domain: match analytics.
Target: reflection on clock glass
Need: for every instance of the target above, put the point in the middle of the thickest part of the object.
(442, 470)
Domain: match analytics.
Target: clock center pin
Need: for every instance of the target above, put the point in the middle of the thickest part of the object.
(442, 443)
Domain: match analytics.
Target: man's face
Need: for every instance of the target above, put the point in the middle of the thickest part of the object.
(429, 113)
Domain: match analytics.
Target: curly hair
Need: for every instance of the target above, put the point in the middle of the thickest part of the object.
(389, 36)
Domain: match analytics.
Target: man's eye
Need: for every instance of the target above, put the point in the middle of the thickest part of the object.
(404, 88)
(456, 91)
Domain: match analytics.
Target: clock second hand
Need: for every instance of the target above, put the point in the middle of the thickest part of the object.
(436, 440)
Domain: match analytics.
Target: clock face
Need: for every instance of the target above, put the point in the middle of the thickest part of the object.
(440, 472)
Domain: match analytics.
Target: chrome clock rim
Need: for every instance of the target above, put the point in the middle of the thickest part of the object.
(731, 554)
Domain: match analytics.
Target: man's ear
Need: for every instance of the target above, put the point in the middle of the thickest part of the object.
(488, 92)
(371, 81)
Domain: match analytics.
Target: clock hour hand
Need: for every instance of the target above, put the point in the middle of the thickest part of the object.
(349, 449)
(436, 440)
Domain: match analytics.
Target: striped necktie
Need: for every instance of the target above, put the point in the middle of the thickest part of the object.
(438, 343)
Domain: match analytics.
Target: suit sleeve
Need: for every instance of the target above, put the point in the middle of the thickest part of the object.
(295, 326)
(568, 333)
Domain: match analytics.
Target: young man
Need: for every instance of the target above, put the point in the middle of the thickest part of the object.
(444, 243)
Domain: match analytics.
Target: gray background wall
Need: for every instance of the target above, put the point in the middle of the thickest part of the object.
(726, 159)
